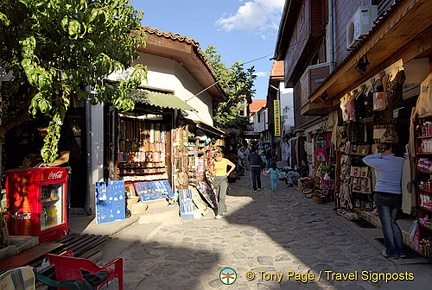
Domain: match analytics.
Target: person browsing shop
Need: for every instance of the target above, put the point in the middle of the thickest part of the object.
(220, 183)
(296, 173)
(388, 197)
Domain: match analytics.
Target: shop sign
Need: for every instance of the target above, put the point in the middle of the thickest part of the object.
(277, 123)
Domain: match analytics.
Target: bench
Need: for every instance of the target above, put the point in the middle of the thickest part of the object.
(27, 256)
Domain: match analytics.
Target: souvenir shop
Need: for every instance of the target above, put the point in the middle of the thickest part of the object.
(318, 153)
(156, 160)
(395, 106)
(138, 149)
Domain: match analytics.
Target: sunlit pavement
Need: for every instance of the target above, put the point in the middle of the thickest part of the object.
(271, 239)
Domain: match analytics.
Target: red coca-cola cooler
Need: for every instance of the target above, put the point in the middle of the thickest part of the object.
(36, 200)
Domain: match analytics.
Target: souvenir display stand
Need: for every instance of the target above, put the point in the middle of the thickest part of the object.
(424, 182)
(110, 201)
(324, 159)
(141, 149)
(192, 157)
(369, 114)
(142, 162)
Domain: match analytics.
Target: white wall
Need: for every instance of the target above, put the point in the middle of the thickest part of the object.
(261, 125)
(169, 75)
(287, 106)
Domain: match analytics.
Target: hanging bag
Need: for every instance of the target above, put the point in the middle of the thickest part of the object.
(424, 101)
(379, 98)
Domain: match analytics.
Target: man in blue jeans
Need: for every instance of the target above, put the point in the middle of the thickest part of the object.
(256, 164)
(388, 197)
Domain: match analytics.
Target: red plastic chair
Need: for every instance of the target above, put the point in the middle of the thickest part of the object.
(67, 267)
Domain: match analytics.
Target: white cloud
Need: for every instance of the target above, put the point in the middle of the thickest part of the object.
(261, 74)
(254, 16)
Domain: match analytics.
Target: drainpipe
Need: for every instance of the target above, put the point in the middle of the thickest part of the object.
(1, 145)
(332, 36)
(87, 207)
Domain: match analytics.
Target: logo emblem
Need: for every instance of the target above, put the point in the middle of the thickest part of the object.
(55, 175)
(228, 276)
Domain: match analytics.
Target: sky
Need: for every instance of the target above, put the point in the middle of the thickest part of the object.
(241, 30)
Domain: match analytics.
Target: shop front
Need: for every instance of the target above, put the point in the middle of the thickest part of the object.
(392, 106)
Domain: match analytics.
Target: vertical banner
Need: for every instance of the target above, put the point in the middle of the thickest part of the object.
(277, 123)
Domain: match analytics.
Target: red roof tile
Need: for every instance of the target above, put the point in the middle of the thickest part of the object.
(257, 104)
(277, 68)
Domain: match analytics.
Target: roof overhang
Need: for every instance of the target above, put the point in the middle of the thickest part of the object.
(405, 34)
(187, 52)
(159, 99)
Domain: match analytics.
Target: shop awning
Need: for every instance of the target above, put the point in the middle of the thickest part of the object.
(210, 129)
(159, 100)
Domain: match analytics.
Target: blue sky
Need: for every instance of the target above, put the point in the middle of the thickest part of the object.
(241, 30)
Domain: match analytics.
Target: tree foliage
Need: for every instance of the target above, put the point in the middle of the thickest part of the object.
(238, 84)
(56, 49)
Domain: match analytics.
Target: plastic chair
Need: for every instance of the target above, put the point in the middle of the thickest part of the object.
(68, 267)
(18, 278)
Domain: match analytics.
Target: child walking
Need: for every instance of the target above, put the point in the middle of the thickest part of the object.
(274, 173)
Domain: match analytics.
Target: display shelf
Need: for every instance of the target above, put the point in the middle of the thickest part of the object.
(423, 176)
(425, 208)
(424, 153)
(424, 116)
(47, 200)
(425, 227)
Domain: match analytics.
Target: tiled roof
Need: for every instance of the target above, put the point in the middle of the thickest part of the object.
(180, 38)
(257, 104)
(277, 68)
(173, 36)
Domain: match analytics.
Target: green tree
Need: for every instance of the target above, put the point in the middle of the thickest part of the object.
(55, 49)
(238, 84)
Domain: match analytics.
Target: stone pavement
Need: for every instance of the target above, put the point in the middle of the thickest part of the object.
(265, 236)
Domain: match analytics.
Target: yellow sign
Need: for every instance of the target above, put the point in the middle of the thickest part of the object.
(277, 123)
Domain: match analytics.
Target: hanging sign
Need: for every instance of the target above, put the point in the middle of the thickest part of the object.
(277, 123)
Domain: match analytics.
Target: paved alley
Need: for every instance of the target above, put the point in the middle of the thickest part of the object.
(271, 239)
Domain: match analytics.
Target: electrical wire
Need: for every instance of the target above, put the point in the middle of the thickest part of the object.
(258, 58)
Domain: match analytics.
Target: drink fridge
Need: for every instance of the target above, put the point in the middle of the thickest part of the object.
(36, 200)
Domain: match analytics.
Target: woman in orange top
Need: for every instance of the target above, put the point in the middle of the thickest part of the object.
(220, 183)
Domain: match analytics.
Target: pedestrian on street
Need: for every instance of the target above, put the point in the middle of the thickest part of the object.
(274, 173)
(269, 156)
(257, 165)
(388, 197)
(220, 183)
(240, 160)
(246, 159)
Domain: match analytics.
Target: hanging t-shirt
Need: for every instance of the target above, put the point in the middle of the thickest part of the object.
(394, 91)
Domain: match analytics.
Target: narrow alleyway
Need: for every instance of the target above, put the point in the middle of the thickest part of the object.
(277, 240)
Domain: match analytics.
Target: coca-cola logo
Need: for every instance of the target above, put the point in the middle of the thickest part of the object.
(55, 175)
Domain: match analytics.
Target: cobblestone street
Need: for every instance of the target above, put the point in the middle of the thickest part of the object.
(266, 236)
